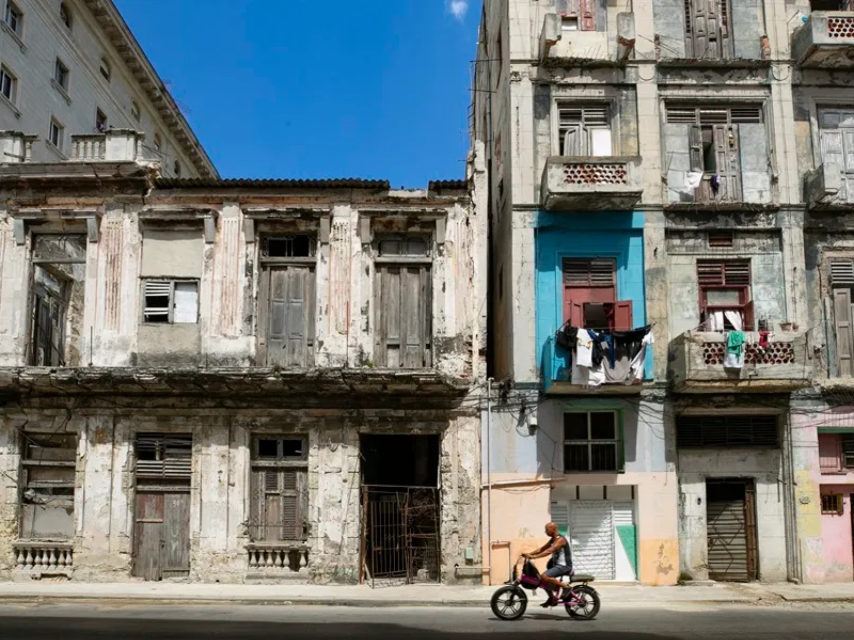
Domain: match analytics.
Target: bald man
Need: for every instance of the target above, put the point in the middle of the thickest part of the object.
(560, 564)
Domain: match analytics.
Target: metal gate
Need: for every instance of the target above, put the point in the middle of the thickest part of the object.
(400, 535)
(731, 530)
(591, 529)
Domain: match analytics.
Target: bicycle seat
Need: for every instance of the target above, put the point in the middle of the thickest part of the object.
(581, 577)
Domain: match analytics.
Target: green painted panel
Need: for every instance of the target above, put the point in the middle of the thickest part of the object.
(836, 430)
(628, 538)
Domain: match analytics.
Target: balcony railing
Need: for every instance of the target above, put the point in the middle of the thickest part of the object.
(591, 183)
(44, 557)
(559, 47)
(281, 559)
(556, 371)
(116, 145)
(697, 363)
(825, 40)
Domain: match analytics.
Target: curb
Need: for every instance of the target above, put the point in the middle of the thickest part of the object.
(308, 602)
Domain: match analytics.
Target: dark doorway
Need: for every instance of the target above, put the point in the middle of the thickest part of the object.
(731, 530)
(400, 509)
(400, 461)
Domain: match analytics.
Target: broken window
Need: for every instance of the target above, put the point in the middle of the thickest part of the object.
(162, 456)
(404, 307)
(707, 29)
(580, 15)
(592, 442)
(725, 303)
(279, 487)
(171, 301)
(585, 130)
(287, 319)
(836, 128)
(590, 295)
(59, 271)
(47, 501)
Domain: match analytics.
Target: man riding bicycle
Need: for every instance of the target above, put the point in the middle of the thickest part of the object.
(559, 565)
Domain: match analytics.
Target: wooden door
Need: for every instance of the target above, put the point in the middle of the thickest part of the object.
(148, 535)
(702, 21)
(162, 535)
(290, 316)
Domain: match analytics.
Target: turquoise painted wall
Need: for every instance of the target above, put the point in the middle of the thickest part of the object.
(587, 235)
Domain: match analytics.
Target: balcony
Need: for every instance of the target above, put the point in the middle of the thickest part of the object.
(591, 183)
(556, 371)
(116, 145)
(561, 47)
(697, 359)
(828, 188)
(826, 40)
(279, 560)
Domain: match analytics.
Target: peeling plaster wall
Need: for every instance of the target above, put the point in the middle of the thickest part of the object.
(765, 467)
(104, 514)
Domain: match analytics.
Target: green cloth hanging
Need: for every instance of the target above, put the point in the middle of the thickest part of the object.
(735, 342)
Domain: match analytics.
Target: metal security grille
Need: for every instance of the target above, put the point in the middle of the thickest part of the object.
(731, 530)
(591, 528)
(726, 431)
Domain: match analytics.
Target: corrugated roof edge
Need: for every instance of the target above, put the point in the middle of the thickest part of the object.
(438, 185)
(270, 183)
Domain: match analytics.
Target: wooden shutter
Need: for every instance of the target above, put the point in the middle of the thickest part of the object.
(574, 312)
(830, 452)
(695, 141)
(706, 38)
(290, 322)
(842, 272)
(404, 329)
(596, 272)
(278, 504)
(572, 141)
(842, 319)
(587, 19)
(623, 316)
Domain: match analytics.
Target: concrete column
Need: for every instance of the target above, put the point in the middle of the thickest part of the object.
(14, 274)
(521, 285)
(10, 461)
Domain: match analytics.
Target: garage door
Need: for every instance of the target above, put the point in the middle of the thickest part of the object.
(591, 534)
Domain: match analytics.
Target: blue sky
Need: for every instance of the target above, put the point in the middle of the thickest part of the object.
(302, 89)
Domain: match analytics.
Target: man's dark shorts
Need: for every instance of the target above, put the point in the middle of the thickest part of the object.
(558, 571)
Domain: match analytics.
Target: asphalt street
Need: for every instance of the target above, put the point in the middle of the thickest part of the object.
(135, 622)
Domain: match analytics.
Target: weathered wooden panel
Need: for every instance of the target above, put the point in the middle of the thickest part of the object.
(404, 328)
(290, 317)
(176, 535)
(148, 536)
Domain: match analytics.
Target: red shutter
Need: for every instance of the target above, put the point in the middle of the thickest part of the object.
(748, 316)
(623, 316)
(588, 15)
(574, 313)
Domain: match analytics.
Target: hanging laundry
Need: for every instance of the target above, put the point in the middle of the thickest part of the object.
(734, 358)
(715, 183)
(566, 337)
(693, 179)
(763, 339)
(584, 349)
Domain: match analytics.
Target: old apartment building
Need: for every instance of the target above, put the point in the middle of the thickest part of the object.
(676, 176)
(234, 380)
(74, 67)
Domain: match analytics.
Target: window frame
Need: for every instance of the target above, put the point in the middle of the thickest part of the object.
(618, 442)
(135, 111)
(66, 16)
(61, 74)
(258, 466)
(29, 438)
(576, 9)
(105, 68)
(171, 309)
(59, 128)
(745, 292)
(18, 27)
(846, 451)
(101, 121)
(6, 76)
(828, 509)
(585, 130)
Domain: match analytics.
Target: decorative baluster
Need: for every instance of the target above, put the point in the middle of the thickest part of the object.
(19, 558)
(281, 558)
(269, 556)
(51, 558)
(28, 562)
(303, 559)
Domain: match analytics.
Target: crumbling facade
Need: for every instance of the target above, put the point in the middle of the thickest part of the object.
(236, 380)
(677, 167)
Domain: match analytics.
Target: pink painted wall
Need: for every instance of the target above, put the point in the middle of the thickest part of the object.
(838, 541)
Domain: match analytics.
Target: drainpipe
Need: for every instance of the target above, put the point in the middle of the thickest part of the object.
(489, 478)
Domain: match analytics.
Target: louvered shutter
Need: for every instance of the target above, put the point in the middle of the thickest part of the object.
(157, 300)
(698, 431)
(710, 273)
(736, 273)
(696, 148)
(842, 272)
(598, 272)
(842, 321)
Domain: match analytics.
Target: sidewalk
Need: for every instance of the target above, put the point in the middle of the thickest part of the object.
(415, 595)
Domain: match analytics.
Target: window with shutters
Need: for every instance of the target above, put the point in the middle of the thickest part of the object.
(714, 148)
(708, 29)
(279, 487)
(836, 132)
(286, 323)
(725, 301)
(841, 285)
(584, 130)
(48, 465)
(848, 452)
(581, 15)
(404, 307)
(170, 301)
(832, 504)
(726, 431)
(590, 295)
(592, 442)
